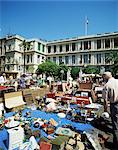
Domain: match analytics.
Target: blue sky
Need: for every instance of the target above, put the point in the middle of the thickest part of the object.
(57, 19)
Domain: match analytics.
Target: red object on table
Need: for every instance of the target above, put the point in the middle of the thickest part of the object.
(2, 87)
(51, 95)
(80, 99)
(45, 146)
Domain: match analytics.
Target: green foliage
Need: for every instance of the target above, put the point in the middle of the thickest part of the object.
(113, 59)
(90, 70)
(48, 67)
(75, 72)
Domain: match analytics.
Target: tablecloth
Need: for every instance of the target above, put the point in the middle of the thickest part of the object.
(41, 114)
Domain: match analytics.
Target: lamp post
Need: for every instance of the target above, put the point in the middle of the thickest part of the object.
(62, 74)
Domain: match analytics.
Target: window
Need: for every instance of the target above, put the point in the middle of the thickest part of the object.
(67, 48)
(66, 60)
(31, 58)
(107, 43)
(73, 59)
(27, 67)
(80, 59)
(60, 48)
(115, 42)
(49, 49)
(27, 58)
(81, 46)
(60, 59)
(85, 45)
(43, 48)
(86, 58)
(89, 60)
(98, 44)
(98, 58)
(48, 58)
(38, 58)
(20, 59)
(9, 47)
(106, 56)
(54, 59)
(54, 48)
(1, 50)
(73, 46)
(89, 45)
(8, 59)
(8, 67)
(39, 46)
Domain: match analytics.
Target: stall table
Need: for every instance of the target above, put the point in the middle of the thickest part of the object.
(80, 127)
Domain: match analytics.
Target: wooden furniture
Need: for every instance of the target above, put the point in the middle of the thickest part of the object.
(85, 85)
(13, 100)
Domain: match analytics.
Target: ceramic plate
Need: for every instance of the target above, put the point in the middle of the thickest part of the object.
(61, 115)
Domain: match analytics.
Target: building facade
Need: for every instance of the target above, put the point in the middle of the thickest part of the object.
(80, 51)
(20, 55)
(83, 51)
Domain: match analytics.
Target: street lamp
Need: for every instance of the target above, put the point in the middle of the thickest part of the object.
(62, 74)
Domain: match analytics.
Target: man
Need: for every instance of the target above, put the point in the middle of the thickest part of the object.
(110, 93)
(2, 80)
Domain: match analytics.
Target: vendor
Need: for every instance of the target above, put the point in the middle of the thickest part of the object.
(110, 94)
(2, 80)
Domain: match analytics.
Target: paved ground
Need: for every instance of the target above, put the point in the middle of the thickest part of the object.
(105, 128)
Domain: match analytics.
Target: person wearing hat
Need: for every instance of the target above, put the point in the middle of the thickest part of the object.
(110, 94)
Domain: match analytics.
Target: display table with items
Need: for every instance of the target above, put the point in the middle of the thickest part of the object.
(79, 96)
(51, 124)
(20, 126)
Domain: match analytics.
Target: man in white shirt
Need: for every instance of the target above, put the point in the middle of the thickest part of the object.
(2, 81)
(110, 93)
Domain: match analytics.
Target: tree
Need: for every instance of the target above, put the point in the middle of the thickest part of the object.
(112, 58)
(90, 70)
(48, 67)
(75, 72)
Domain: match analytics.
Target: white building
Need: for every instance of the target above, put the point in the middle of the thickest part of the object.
(13, 55)
(79, 51)
(83, 51)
